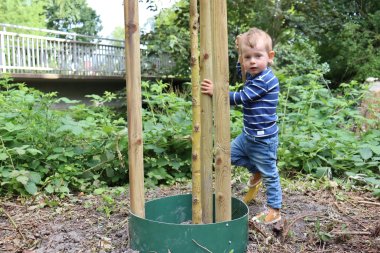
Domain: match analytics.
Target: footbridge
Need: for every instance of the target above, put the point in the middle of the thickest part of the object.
(30, 53)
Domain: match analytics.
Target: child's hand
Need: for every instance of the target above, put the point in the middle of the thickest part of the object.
(207, 87)
(239, 40)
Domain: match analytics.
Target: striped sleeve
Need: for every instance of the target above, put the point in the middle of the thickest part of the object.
(252, 90)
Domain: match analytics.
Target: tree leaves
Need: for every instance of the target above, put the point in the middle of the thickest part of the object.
(72, 16)
(22, 12)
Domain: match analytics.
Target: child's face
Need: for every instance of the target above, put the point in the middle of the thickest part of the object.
(256, 59)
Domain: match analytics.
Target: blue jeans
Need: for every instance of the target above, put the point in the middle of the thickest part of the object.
(259, 155)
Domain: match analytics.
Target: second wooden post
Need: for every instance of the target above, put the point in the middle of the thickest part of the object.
(221, 111)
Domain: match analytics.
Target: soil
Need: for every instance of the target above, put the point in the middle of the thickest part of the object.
(326, 220)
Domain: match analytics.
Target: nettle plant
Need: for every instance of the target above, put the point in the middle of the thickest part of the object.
(321, 130)
(167, 134)
(55, 150)
(83, 148)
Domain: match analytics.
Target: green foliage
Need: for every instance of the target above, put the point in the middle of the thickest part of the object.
(346, 33)
(109, 203)
(57, 151)
(321, 128)
(358, 48)
(298, 57)
(317, 128)
(167, 130)
(371, 182)
(63, 15)
(72, 16)
(170, 36)
(118, 34)
(22, 12)
(83, 148)
(321, 234)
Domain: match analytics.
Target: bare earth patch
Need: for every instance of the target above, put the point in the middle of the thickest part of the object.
(313, 221)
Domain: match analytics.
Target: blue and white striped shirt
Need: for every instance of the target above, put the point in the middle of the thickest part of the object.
(259, 97)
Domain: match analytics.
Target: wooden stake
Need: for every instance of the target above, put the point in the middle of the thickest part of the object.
(206, 113)
(221, 111)
(196, 135)
(135, 144)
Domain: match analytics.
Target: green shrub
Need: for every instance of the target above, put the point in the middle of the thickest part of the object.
(83, 148)
(167, 132)
(57, 150)
(321, 129)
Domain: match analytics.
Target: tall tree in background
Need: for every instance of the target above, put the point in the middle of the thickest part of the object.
(72, 16)
(170, 33)
(23, 12)
(170, 36)
(345, 33)
(63, 15)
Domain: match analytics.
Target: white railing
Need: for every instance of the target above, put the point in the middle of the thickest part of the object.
(41, 51)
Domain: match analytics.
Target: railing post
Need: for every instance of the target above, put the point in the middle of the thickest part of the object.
(2, 49)
(76, 56)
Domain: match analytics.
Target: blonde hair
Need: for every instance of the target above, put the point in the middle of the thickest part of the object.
(255, 35)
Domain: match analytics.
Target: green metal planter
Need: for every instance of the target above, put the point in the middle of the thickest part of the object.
(166, 229)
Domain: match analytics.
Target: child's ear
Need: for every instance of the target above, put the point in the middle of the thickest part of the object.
(271, 55)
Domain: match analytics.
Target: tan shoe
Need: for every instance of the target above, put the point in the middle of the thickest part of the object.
(254, 184)
(268, 217)
(254, 180)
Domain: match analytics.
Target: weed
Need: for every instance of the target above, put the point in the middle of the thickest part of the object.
(322, 235)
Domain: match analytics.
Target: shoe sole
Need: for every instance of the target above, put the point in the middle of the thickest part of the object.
(265, 222)
(253, 185)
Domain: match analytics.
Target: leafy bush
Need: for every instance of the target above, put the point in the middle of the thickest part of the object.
(53, 149)
(84, 147)
(321, 129)
(167, 132)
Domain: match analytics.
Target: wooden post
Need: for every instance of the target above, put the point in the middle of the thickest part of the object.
(196, 135)
(206, 113)
(221, 111)
(133, 73)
